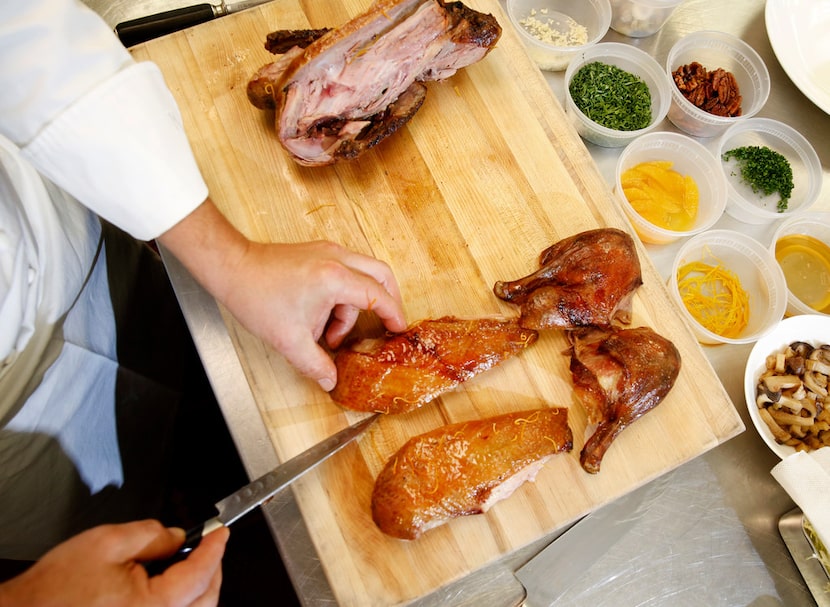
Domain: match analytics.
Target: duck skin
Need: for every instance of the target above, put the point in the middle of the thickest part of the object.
(587, 279)
(403, 371)
(619, 375)
(340, 87)
(465, 468)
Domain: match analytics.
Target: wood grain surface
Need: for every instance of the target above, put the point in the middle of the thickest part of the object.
(487, 174)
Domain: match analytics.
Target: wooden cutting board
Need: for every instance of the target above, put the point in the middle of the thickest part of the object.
(487, 174)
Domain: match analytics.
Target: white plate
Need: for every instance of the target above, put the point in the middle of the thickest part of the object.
(813, 329)
(798, 31)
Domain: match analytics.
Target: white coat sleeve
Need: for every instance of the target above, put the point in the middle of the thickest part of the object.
(100, 126)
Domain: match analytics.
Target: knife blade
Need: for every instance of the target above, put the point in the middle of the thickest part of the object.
(549, 574)
(139, 30)
(242, 501)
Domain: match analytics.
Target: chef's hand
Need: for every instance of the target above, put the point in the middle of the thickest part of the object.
(102, 567)
(287, 294)
(292, 294)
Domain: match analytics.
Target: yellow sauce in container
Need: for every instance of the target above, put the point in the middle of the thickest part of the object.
(806, 264)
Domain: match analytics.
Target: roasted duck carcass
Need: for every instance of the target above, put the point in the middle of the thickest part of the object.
(402, 371)
(619, 375)
(465, 468)
(352, 86)
(587, 279)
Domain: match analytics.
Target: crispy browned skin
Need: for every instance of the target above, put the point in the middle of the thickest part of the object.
(587, 279)
(619, 375)
(402, 371)
(282, 41)
(464, 468)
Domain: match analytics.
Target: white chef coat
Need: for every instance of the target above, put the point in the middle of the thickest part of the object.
(80, 122)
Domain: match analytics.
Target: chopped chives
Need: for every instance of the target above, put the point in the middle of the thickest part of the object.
(611, 96)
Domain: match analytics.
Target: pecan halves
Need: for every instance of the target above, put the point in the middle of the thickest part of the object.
(713, 91)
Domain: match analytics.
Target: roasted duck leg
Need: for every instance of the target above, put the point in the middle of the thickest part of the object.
(587, 279)
(464, 468)
(619, 375)
(402, 371)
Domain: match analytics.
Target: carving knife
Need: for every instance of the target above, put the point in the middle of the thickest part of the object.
(253, 494)
(549, 574)
(146, 28)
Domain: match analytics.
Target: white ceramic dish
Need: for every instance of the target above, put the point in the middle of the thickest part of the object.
(811, 328)
(797, 31)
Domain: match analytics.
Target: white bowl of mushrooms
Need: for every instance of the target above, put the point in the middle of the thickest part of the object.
(786, 385)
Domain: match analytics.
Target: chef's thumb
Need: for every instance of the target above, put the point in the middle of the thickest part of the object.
(314, 362)
(327, 383)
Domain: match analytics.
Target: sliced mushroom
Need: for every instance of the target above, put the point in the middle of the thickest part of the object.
(781, 435)
(802, 349)
(789, 419)
(800, 393)
(795, 365)
(816, 383)
(777, 383)
(809, 404)
(818, 366)
(793, 395)
(790, 403)
(763, 400)
(780, 362)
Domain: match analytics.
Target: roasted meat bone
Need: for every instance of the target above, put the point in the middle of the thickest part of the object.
(619, 375)
(464, 468)
(402, 371)
(353, 86)
(587, 279)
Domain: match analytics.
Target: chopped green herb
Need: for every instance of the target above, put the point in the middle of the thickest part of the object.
(764, 170)
(611, 97)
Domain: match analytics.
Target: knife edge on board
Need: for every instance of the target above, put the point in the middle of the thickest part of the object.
(258, 491)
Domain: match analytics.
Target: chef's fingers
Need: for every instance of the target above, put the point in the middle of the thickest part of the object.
(139, 540)
(377, 269)
(367, 294)
(353, 292)
(343, 319)
(211, 597)
(195, 580)
(312, 361)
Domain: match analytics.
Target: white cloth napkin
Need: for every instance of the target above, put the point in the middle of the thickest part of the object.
(806, 477)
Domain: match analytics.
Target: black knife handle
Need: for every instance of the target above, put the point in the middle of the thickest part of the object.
(146, 28)
(192, 539)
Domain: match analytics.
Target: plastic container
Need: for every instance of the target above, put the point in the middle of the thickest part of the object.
(688, 157)
(563, 18)
(717, 50)
(641, 18)
(758, 272)
(815, 225)
(754, 207)
(634, 61)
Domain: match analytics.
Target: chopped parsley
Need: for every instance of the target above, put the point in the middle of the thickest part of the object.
(764, 170)
(611, 97)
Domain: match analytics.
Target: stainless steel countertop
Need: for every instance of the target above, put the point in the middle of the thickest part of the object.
(709, 535)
